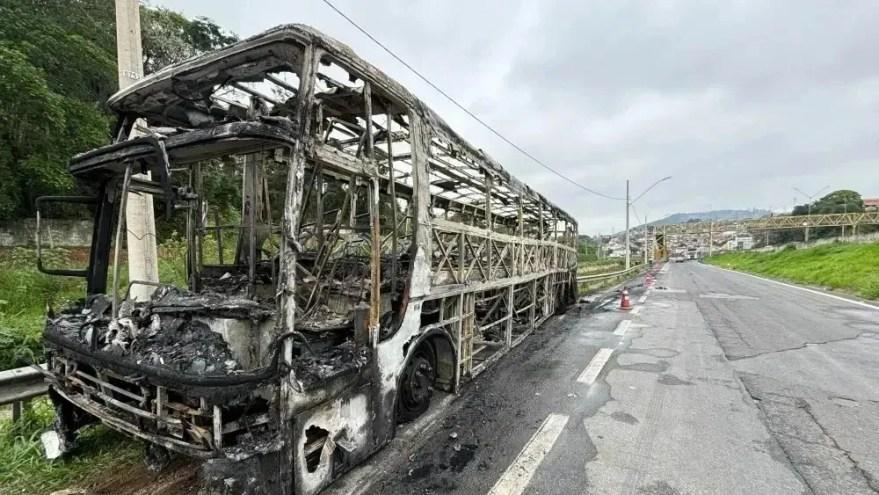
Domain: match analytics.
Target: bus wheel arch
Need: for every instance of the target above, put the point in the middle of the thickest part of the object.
(431, 364)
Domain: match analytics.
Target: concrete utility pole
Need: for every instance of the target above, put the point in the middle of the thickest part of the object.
(139, 217)
(629, 203)
(665, 242)
(710, 237)
(628, 249)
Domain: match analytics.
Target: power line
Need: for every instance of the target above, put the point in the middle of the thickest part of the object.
(465, 110)
(635, 213)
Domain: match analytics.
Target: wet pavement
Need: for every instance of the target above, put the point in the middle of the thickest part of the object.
(719, 383)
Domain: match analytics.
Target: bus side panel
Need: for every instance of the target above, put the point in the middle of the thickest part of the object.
(330, 439)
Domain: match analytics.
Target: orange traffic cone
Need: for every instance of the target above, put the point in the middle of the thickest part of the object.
(625, 302)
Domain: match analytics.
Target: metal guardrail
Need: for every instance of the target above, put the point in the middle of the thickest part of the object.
(600, 276)
(599, 279)
(19, 385)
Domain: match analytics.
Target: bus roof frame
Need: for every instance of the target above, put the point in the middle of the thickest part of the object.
(124, 101)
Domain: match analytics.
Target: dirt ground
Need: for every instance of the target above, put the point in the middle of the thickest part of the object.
(180, 478)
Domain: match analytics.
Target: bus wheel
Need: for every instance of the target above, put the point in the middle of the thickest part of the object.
(416, 385)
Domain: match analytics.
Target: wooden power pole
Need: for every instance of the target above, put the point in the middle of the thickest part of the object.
(139, 217)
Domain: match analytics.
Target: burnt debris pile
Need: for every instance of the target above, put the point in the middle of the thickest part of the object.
(185, 345)
(330, 362)
(171, 330)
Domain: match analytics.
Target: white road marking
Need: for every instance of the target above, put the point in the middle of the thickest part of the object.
(517, 476)
(642, 299)
(595, 366)
(721, 295)
(623, 327)
(637, 309)
(838, 298)
(672, 291)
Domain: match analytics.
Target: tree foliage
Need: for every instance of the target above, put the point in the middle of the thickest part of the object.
(57, 69)
(841, 201)
(168, 37)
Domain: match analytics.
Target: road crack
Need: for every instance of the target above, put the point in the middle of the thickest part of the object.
(802, 346)
(871, 482)
(774, 435)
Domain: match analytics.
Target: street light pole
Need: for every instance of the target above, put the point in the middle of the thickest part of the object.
(808, 213)
(628, 250)
(629, 203)
(809, 208)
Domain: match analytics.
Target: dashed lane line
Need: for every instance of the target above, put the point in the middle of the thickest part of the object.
(637, 309)
(623, 327)
(642, 299)
(517, 476)
(595, 366)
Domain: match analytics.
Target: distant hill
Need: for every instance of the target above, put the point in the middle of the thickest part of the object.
(721, 215)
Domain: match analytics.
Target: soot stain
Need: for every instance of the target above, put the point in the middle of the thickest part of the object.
(421, 472)
(624, 418)
(462, 457)
(668, 379)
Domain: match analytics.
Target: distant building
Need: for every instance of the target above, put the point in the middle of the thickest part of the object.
(871, 204)
(741, 242)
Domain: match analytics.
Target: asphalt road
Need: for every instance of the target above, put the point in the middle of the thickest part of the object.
(720, 383)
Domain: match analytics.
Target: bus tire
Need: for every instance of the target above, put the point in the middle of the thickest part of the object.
(417, 383)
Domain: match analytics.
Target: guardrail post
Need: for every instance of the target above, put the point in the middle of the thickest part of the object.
(18, 386)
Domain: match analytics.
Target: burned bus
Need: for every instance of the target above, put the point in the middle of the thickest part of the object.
(347, 257)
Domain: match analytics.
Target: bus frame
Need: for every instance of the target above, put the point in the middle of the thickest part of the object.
(468, 263)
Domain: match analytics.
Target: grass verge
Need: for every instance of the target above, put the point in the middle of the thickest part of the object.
(24, 470)
(25, 294)
(852, 268)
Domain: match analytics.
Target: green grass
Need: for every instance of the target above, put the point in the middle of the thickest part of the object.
(24, 470)
(24, 296)
(852, 268)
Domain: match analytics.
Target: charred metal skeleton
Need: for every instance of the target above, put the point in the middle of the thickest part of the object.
(376, 257)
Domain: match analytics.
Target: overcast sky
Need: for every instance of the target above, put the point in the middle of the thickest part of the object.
(739, 101)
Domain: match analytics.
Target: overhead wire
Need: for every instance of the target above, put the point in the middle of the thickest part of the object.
(468, 112)
(635, 214)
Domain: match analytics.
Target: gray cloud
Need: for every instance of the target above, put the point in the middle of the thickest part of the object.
(739, 101)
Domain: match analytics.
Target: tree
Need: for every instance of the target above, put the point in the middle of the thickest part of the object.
(57, 69)
(168, 37)
(841, 201)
